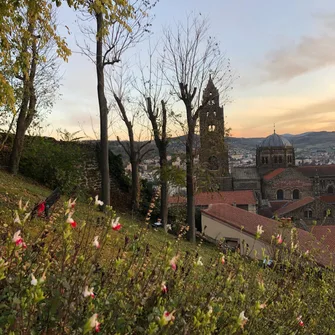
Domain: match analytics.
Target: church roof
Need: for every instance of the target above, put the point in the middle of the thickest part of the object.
(229, 197)
(273, 174)
(291, 206)
(247, 173)
(275, 140)
(321, 170)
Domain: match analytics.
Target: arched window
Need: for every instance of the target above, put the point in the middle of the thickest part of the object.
(280, 195)
(308, 213)
(296, 194)
(330, 189)
(213, 163)
(211, 127)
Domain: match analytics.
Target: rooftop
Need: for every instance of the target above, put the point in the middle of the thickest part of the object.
(321, 170)
(291, 206)
(229, 197)
(273, 174)
(275, 140)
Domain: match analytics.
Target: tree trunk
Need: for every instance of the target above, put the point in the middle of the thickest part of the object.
(190, 186)
(135, 185)
(103, 108)
(164, 188)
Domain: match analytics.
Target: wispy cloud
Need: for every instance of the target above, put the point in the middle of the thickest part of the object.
(308, 54)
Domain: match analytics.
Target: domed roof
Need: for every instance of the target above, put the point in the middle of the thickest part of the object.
(275, 140)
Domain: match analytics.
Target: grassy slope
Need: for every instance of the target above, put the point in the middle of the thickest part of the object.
(12, 188)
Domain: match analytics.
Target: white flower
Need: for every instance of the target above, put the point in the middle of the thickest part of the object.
(33, 280)
(17, 218)
(96, 242)
(260, 230)
(115, 224)
(199, 262)
(93, 322)
(88, 292)
(98, 202)
(242, 320)
(70, 205)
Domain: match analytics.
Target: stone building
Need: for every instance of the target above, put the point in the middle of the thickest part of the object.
(213, 151)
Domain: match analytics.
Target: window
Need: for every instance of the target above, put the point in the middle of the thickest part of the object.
(280, 159)
(330, 189)
(266, 160)
(289, 159)
(275, 159)
(296, 194)
(280, 195)
(263, 160)
(231, 244)
(211, 127)
(213, 163)
(211, 102)
(308, 213)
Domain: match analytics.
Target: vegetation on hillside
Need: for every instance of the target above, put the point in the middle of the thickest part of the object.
(85, 273)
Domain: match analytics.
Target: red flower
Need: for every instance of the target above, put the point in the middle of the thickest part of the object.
(40, 208)
(115, 224)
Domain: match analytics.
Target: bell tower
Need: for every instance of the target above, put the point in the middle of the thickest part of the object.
(213, 151)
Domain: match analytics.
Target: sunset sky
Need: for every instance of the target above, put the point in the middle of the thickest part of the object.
(283, 52)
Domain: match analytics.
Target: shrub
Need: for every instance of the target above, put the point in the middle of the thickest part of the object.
(47, 272)
(52, 163)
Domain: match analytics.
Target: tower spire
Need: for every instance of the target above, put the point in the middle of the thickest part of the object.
(274, 128)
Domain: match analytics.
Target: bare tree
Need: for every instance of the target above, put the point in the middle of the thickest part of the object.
(152, 100)
(190, 56)
(111, 39)
(37, 88)
(135, 150)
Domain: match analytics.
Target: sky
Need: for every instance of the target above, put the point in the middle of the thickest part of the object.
(283, 53)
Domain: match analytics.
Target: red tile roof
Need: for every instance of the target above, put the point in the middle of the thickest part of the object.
(248, 221)
(321, 170)
(229, 197)
(273, 174)
(291, 206)
(326, 235)
(330, 199)
(240, 218)
(275, 205)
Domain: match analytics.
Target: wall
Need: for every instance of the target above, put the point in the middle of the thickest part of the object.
(217, 230)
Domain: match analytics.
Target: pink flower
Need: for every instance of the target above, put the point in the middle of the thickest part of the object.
(164, 287)
(93, 322)
(18, 240)
(96, 242)
(115, 224)
(279, 239)
(173, 262)
(167, 317)
(71, 221)
(223, 259)
(88, 292)
(301, 323)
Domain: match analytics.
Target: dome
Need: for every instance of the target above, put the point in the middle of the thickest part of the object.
(275, 140)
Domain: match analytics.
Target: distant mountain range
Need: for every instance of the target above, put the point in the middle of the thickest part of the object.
(321, 140)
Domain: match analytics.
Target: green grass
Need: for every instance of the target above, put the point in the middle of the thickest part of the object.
(14, 188)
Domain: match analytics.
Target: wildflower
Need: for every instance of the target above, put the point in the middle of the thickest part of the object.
(71, 221)
(98, 202)
(96, 242)
(299, 319)
(173, 262)
(26, 217)
(25, 207)
(262, 306)
(279, 239)
(115, 224)
(223, 260)
(17, 218)
(199, 262)
(43, 278)
(18, 240)
(88, 292)
(40, 208)
(93, 322)
(33, 280)
(260, 231)
(306, 252)
(167, 317)
(210, 310)
(242, 320)
(70, 205)
(164, 287)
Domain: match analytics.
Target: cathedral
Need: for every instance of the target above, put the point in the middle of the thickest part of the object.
(303, 193)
